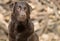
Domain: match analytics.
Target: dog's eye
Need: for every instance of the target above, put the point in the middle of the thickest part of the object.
(18, 9)
(24, 8)
(19, 6)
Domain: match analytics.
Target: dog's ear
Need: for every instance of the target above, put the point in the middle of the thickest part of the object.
(29, 8)
(12, 5)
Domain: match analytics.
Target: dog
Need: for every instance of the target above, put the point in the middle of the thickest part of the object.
(21, 27)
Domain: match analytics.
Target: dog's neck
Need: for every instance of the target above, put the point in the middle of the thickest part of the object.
(22, 26)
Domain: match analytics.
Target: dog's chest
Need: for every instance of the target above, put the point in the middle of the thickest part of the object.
(21, 28)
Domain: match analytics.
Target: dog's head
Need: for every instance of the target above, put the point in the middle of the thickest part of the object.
(21, 11)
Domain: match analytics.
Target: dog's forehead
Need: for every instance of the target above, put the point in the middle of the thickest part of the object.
(23, 4)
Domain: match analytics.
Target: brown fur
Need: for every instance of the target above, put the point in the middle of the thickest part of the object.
(21, 28)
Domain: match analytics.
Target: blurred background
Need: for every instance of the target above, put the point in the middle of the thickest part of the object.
(45, 15)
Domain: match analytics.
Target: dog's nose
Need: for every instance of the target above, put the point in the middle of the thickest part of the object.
(23, 15)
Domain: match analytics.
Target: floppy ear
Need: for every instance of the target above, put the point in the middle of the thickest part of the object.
(29, 8)
(12, 5)
(13, 16)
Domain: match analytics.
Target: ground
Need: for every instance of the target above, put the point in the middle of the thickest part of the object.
(45, 15)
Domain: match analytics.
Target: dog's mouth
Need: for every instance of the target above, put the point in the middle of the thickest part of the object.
(22, 18)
